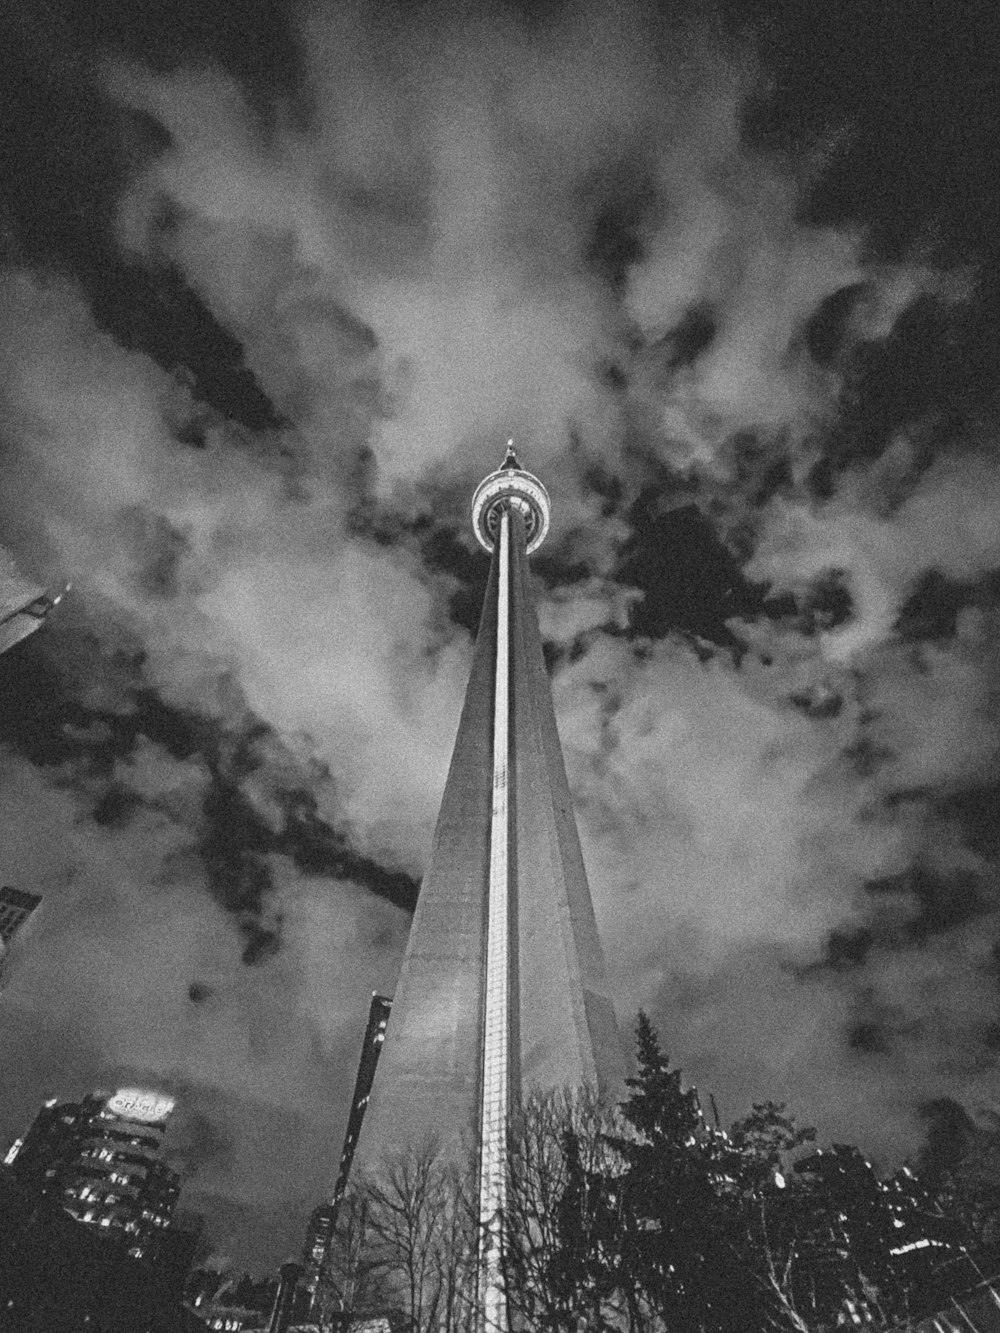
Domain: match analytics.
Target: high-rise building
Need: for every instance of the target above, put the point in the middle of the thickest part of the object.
(371, 1049)
(503, 989)
(99, 1160)
(324, 1218)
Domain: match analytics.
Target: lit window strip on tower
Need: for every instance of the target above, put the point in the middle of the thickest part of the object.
(495, 1102)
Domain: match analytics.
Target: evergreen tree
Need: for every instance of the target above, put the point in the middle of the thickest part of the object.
(681, 1231)
(762, 1144)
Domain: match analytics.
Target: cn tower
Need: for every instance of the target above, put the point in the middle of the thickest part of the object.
(503, 989)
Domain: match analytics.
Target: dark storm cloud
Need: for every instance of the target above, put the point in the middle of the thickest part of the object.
(197, 1139)
(897, 109)
(689, 581)
(68, 152)
(932, 610)
(159, 314)
(977, 811)
(231, 836)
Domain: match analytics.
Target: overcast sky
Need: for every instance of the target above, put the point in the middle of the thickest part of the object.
(277, 283)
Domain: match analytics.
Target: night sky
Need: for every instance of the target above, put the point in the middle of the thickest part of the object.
(277, 282)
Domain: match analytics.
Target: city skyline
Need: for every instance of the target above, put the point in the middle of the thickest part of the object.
(276, 287)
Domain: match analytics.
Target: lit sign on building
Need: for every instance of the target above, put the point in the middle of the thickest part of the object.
(138, 1104)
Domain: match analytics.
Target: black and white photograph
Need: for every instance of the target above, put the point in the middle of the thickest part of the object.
(499, 666)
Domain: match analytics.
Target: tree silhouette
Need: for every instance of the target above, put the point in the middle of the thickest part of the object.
(563, 1239)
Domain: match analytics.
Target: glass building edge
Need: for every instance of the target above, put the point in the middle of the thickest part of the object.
(17, 906)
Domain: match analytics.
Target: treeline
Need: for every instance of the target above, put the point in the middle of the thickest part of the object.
(648, 1218)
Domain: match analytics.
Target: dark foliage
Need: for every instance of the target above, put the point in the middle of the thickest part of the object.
(58, 1276)
(677, 1225)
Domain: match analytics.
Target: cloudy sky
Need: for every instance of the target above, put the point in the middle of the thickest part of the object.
(277, 281)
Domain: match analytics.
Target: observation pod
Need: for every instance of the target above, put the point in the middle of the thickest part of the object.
(511, 487)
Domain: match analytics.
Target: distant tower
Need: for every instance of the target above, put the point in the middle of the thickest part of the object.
(503, 988)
